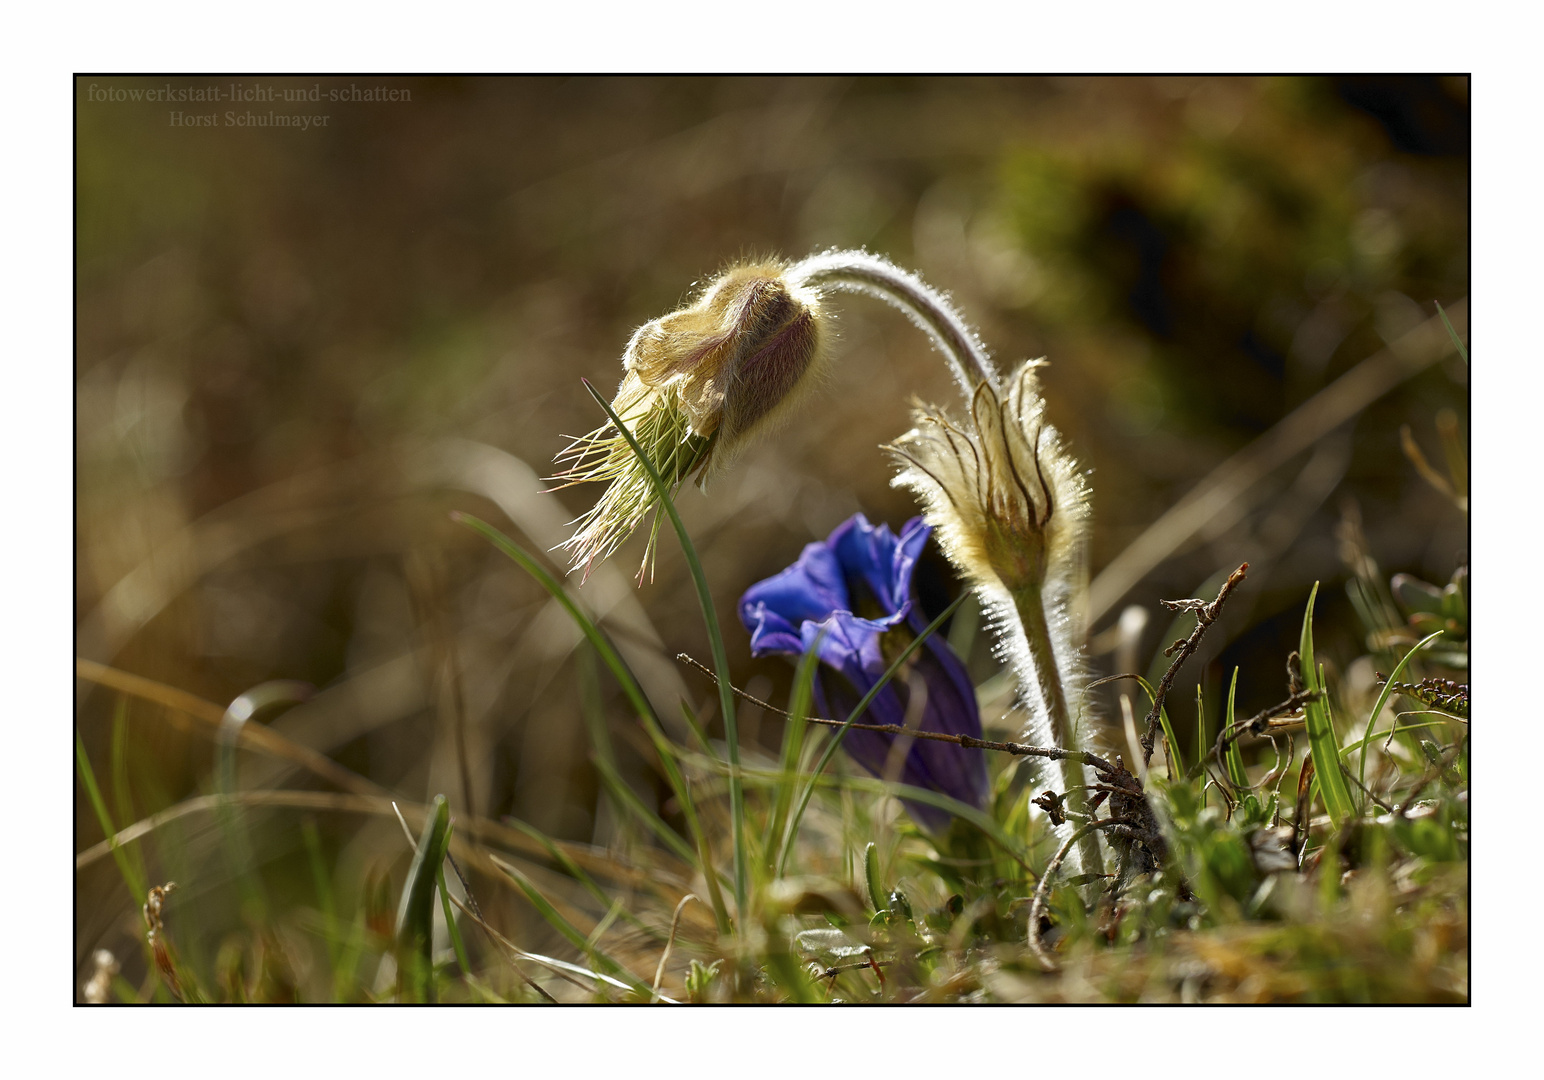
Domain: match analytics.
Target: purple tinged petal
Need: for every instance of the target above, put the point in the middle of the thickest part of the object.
(770, 632)
(879, 559)
(809, 605)
(811, 588)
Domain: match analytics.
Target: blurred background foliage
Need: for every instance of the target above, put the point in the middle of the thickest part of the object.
(294, 347)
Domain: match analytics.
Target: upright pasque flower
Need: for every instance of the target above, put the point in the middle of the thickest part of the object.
(850, 599)
(1010, 504)
(697, 382)
(1011, 508)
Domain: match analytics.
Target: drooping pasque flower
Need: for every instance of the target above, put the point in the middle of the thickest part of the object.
(697, 382)
(849, 597)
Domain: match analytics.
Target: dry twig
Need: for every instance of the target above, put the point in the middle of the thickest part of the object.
(1052, 753)
(1117, 826)
(1206, 614)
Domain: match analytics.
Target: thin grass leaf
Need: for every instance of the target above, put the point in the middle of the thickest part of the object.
(577, 872)
(122, 796)
(629, 798)
(590, 708)
(1374, 736)
(1171, 741)
(681, 786)
(700, 858)
(135, 884)
(415, 912)
(238, 841)
(1457, 342)
(641, 704)
(792, 753)
(1163, 722)
(841, 732)
(1383, 698)
(1235, 757)
(324, 897)
(698, 732)
(607, 919)
(871, 876)
(353, 950)
(715, 643)
(1321, 729)
(985, 822)
(555, 919)
(1201, 741)
(602, 643)
(450, 923)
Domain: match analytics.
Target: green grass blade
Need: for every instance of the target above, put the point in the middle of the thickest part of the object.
(983, 821)
(641, 704)
(1177, 763)
(344, 986)
(792, 752)
(415, 912)
(1178, 770)
(591, 708)
(1321, 730)
(233, 822)
(1201, 742)
(841, 732)
(602, 643)
(1373, 736)
(135, 883)
(696, 727)
(1235, 757)
(629, 798)
(122, 796)
(1383, 698)
(575, 871)
(682, 788)
(555, 919)
(699, 858)
(1457, 343)
(123, 803)
(716, 643)
(871, 876)
(450, 924)
(324, 897)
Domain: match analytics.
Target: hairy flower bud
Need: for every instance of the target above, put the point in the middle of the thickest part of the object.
(1010, 505)
(698, 382)
(736, 354)
(1011, 509)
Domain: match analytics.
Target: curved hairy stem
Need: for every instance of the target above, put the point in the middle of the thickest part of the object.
(858, 271)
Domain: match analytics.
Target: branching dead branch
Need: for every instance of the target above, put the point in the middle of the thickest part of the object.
(1043, 889)
(1051, 753)
(1206, 614)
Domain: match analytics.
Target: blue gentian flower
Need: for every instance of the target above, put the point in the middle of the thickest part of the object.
(850, 597)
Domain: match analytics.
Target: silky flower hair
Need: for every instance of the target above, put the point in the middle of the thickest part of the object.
(697, 384)
(700, 382)
(1012, 512)
(1010, 504)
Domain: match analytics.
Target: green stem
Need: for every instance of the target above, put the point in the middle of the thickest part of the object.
(1042, 658)
(716, 645)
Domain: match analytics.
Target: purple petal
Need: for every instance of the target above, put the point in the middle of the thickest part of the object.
(809, 606)
(809, 589)
(876, 557)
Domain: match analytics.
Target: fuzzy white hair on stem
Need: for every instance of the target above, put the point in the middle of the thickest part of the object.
(1011, 507)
